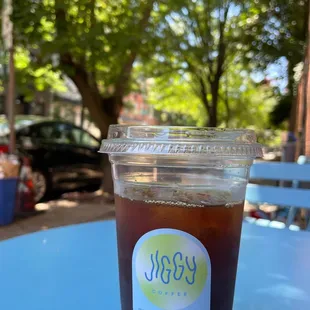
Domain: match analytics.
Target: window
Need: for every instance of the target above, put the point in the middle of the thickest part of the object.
(63, 133)
(25, 132)
(82, 137)
(53, 132)
(44, 132)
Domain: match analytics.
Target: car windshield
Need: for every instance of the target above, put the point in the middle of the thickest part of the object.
(20, 122)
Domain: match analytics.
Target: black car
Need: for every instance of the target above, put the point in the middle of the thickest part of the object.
(64, 157)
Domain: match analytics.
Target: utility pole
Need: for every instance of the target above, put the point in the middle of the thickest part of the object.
(307, 91)
(7, 34)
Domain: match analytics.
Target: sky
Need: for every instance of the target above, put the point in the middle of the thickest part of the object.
(276, 73)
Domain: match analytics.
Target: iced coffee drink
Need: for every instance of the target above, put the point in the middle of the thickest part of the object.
(179, 206)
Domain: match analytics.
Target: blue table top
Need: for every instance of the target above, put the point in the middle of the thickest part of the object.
(75, 267)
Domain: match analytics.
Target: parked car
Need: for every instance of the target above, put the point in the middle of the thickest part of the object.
(63, 156)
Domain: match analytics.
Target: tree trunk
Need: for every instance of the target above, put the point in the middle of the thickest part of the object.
(226, 102)
(107, 184)
(215, 81)
(306, 91)
(104, 112)
(111, 106)
(203, 97)
(292, 119)
(214, 102)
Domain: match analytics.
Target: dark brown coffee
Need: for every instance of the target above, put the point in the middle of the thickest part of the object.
(217, 227)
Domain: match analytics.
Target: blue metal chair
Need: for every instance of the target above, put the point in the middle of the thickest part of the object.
(292, 197)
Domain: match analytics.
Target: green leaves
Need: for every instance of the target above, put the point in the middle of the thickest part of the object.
(22, 60)
(96, 33)
(250, 104)
(30, 77)
(194, 52)
(174, 95)
(200, 40)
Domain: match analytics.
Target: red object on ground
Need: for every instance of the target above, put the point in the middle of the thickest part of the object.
(25, 199)
(4, 148)
(259, 214)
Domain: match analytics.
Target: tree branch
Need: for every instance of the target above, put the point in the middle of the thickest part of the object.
(209, 36)
(196, 29)
(203, 94)
(93, 21)
(125, 73)
(79, 75)
(221, 45)
(90, 94)
(226, 102)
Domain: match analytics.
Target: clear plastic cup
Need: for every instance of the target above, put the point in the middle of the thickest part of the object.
(179, 207)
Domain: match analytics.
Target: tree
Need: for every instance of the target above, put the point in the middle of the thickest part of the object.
(93, 42)
(31, 78)
(172, 95)
(278, 29)
(202, 39)
(242, 102)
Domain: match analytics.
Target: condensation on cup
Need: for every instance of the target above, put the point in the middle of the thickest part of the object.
(179, 206)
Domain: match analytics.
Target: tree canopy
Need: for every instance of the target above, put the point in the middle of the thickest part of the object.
(204, 38)
(94, 42)
(197, 52)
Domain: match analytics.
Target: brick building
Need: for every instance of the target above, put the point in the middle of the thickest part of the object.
(303, 109)
(137, 111)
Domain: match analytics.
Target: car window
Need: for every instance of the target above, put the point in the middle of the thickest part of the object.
(82, 137)
(44, 132)
(54, 133)
(25, 132)
(62, 133)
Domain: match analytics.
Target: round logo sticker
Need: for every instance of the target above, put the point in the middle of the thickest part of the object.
(171, 267)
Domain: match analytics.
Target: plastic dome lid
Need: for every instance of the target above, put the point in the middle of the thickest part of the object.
(181, 140)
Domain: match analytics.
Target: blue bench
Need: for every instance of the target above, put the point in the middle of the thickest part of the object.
(291, 197)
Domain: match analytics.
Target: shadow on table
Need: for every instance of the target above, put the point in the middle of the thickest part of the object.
(61, 212)
(273, 270)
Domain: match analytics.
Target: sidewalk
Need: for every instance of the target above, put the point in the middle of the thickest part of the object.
(73, 208)
(62, 212)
